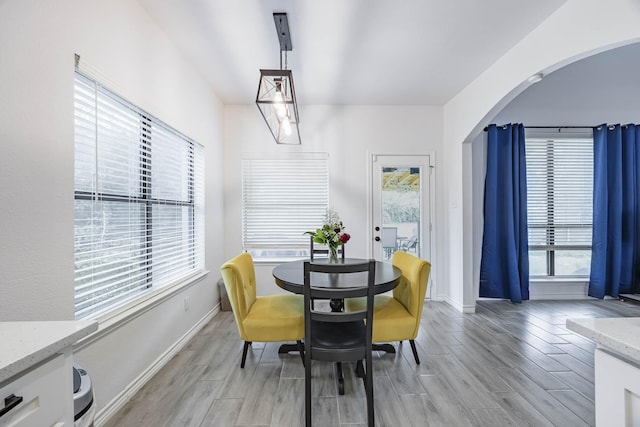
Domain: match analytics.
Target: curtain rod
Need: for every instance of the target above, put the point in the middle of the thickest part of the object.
(553, 127)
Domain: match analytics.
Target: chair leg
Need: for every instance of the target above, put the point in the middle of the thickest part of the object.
(247, 344)
(360, 370)
(340, 378)
(301, 350)
(415, 352)
(369, 389)
(307, 389)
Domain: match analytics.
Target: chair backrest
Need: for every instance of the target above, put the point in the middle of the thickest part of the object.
(412, 243)
(389, 237)
(240, 281)
(413, 283)
(323, 250)
(314, 315)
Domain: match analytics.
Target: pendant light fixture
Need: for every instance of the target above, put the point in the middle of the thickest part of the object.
(276, 97)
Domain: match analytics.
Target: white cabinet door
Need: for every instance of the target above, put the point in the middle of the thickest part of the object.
(617, 391)
(47, 396)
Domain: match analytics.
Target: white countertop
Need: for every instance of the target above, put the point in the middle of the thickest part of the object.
(620, 334)
(24, 344)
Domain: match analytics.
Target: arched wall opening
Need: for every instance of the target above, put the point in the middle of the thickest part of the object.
(576, 31)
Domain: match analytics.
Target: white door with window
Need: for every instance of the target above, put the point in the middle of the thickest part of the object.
(401, 206)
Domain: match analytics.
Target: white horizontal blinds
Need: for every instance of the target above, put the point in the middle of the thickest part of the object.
(135, 205)
(170, 169)
(173, 231)
(110, 237)
(559, 192)
(119, 147)
(198, 200)
(85, 134)
(283, 198)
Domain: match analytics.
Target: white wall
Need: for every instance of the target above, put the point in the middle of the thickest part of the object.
(38, 40)
(578, 29)
(349, 134)
(602, 88)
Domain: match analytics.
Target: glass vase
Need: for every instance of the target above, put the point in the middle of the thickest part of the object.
(333, 254)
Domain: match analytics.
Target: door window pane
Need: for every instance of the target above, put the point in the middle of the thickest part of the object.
(400, 210)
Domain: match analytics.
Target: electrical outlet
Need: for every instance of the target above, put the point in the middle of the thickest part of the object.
(186, 303)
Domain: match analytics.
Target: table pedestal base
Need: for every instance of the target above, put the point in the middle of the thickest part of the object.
(288, 348)
(388, 348)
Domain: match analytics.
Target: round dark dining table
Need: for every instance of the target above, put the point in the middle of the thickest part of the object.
(290, 276)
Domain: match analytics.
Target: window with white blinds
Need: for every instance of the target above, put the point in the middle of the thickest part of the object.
(559, 204)
(139, 201)
(281, 199)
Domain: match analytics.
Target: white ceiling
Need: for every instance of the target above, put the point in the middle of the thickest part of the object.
(349, 52)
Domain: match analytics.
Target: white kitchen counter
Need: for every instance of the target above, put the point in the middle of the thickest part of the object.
(620, 335)
(617, 368)
(25, 344)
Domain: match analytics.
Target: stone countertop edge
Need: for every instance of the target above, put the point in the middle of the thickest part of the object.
(25, 344)
(620, 335)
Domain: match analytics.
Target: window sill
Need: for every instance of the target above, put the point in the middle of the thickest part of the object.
(559, 280)
(133, 309)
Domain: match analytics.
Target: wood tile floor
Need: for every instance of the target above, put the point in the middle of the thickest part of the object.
(506, 365)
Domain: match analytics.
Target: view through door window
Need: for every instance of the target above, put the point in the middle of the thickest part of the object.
(400, 210)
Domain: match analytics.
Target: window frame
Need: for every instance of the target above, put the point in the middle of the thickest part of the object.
(290, 188)
(551, 226)
(152, 262)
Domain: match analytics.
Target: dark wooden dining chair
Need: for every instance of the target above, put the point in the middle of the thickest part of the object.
(338, 336)
(315, 250)
(323, 251)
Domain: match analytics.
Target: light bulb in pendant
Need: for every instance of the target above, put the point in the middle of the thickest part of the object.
(278, 102)
(286, 125)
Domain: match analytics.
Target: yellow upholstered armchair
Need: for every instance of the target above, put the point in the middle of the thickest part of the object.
(262, 319)
(397, 317)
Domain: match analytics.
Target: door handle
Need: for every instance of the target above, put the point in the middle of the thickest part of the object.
(10, 402)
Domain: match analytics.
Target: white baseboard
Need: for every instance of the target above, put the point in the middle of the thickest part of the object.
(555, 289)
(465, 309)
(469, 309)
(125, 395)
